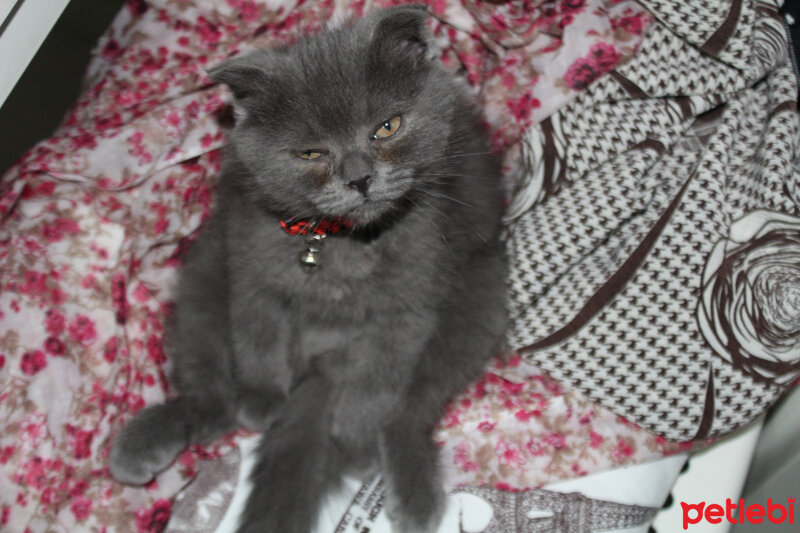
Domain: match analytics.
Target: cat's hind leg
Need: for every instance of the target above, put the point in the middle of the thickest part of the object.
(471, 328)
(297, 464)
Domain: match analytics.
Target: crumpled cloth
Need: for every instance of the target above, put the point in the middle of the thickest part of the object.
(96, 219)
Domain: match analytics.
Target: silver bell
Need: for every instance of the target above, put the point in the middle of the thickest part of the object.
(309, 260)
(314, 242)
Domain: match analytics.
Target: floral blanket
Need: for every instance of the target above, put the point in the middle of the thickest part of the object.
(96, 219)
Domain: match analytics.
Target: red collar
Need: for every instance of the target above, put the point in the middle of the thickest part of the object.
(326, 226)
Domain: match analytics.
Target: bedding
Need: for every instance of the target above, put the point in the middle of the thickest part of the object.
(96, 219)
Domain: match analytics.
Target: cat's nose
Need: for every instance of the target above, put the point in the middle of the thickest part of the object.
(361, 185)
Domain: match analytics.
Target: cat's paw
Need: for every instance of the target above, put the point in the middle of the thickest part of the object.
(145, 447)
(420, 512)
(256, 411)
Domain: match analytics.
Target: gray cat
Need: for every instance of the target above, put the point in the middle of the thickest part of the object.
(349, 283)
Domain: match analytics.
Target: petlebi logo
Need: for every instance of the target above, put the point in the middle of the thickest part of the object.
(738, 512)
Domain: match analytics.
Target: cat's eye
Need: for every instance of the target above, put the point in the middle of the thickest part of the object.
(310, 154)
(388, 128)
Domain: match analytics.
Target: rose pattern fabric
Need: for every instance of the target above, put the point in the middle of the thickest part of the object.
(750, 307)
(517, 429)
(96, 219)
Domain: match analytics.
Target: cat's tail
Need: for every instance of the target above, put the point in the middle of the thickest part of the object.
(297, 464)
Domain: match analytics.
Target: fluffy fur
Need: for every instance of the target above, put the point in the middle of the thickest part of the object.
(350, 366)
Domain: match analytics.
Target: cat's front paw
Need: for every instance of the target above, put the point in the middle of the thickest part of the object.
(145, 447)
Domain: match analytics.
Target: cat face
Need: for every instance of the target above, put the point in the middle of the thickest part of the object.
(345, 123)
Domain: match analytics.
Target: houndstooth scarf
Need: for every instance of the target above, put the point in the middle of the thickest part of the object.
(655, 247)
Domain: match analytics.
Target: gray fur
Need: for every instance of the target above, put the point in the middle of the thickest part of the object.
(352, 365)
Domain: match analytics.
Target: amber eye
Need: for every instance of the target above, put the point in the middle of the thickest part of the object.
(388, 128)
(310, 154)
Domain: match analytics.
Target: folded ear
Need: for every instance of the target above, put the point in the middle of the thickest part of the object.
(245, 75)
(400, 32)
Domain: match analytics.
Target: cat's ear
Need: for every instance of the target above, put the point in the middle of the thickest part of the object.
(245, 75)
(400, 32)
(250, 81)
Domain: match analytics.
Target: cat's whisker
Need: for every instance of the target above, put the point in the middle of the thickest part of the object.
(463, 220)
(455, 156)
(433, 223)
(493, 178)
(446, 197)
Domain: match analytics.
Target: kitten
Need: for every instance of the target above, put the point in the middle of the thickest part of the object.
(345, 341)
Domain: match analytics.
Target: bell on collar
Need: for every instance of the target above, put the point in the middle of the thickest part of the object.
(309, 259)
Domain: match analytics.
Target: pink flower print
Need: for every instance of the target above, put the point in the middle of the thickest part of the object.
(512, 388)
(522, 107)
(82, 330)
(150, 63)
(535, 448)
(5, 454)
(57, 296)
(462, 458)
(81, 442)
(486, 426)
(209, 33)
(35, 475)
(602, 57)
(80, 508)
(78, 488)
(108, 122)
(633, 24)
(188, 461)
(509, 454)
(55, 231)
(578, 470)
(248, 11)
(35, 283)
(155, 350)
(556, 440)
(523, 416)
(580, 74)
(54, 346)
(138, 149)
(140, 293)
(111, 50)
(110, 350)
(595, 439)
(32, 363)
(498, 21)
(119, 298)
(54, 322)
(161, 226)
(83, 140)
(43, 189)
(572, 7)
(153, 520)
(553, 387)
(565, 21)
(605, 56)
(137, 7)
(622, 451)
(451, 418)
